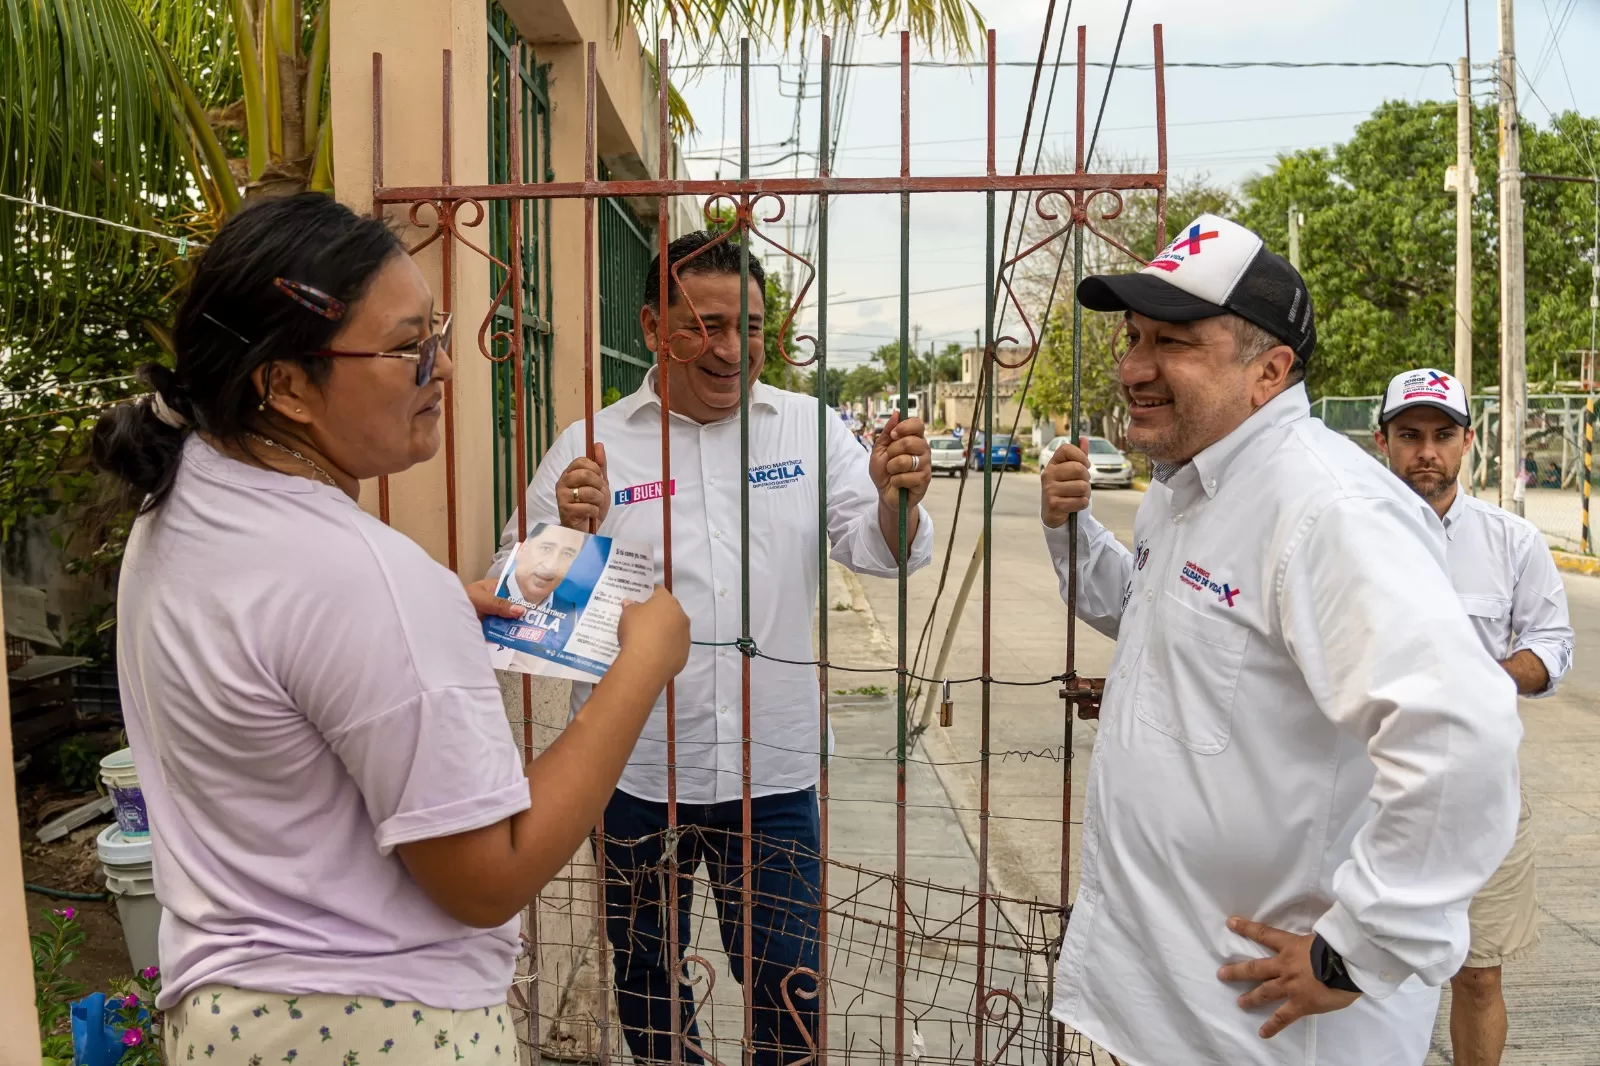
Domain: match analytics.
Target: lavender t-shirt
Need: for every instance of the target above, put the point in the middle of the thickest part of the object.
(305, 689)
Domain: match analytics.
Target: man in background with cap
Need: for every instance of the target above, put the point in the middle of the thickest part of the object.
(1509, 585)
(1305, 765)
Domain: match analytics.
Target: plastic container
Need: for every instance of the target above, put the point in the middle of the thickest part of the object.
(122, 781)
(126, 862)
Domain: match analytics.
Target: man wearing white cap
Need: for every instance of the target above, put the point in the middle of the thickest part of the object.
(1305, 765)
(1508, 583)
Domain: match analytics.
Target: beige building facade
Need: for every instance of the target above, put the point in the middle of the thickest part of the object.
(427, 135)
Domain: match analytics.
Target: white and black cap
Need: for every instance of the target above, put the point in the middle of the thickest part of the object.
(1426, 387)
(1213, 267)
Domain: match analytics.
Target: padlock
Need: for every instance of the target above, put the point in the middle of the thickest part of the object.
(947, 706)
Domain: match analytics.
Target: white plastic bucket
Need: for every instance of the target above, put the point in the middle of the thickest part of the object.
(126, 863)
(122, 781)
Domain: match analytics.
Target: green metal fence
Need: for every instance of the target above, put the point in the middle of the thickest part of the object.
(625, 251)
(513, 68)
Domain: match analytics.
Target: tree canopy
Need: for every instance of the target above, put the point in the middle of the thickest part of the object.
(1377, 249)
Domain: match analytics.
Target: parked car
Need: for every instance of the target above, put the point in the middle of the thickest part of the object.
(1007, 452)
(1108, 467)
(947, 455)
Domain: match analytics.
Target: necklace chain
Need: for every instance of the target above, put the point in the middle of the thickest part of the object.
(323, 474)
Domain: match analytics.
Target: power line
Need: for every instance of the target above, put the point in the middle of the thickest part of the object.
(183, 243)
(1427, 104)
(1267, 64)
(66, 386)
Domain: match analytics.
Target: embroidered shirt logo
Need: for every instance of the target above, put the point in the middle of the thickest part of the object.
(641, 493)
(777, 475)
(1199, 578)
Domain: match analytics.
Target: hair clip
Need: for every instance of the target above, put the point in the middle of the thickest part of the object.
(246, 341)
(314, 300)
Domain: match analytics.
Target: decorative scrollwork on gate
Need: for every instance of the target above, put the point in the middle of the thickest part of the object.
(1078, 214)
(814, 992)
(708, 977)
(1010, 1011)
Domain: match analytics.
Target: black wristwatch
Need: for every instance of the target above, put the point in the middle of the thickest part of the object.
(1327, 965)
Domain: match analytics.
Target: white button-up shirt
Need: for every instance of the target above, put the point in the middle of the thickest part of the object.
(1299, 729)
(706, 475)
(1509, 584)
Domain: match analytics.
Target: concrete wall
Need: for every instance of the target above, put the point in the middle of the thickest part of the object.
(411, 35)
(19, 1027)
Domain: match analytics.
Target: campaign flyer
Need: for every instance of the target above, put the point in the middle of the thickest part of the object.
(571, 587)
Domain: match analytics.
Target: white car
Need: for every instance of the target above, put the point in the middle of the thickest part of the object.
(1108, 467)
(947, 455)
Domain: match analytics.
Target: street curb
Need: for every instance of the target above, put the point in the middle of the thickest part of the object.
(1573, 563)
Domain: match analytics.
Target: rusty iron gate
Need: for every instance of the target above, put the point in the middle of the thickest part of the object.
(910, 968)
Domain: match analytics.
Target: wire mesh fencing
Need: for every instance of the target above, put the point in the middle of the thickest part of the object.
(705, 938)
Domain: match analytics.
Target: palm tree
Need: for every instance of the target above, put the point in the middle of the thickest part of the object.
(160, 114)
(167, 116)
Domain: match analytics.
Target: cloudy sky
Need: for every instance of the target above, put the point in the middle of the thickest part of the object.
(1226, 124)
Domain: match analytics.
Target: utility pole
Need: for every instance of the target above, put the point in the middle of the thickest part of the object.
(1295, 219)
(1466, 184)
(1513, 324)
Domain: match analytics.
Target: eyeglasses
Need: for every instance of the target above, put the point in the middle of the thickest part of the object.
(425, 354)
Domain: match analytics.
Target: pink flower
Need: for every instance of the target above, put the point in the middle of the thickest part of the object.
(131, 1037)
(68, 913)
(131, 999)
(150, 973)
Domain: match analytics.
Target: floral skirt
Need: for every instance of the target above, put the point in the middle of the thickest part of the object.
(218, 1025)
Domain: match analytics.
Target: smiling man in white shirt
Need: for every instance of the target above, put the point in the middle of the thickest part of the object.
(1508, 582)
(619, 493)
(1305, 764)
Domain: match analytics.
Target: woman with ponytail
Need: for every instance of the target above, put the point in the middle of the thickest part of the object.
(344, 831)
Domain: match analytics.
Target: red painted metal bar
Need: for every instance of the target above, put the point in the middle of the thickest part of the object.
(990, 124)
(755, 188)
(588, 255)
(747, 880)
(446, 292)
(520, 438)
(823, 600)
(377, 212)
(981, 984)
(900, 754)
(1077, 166)
(590, 95)
(663, 362)
(1161, 136)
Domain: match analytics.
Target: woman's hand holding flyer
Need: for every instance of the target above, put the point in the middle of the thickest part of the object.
(566, 589)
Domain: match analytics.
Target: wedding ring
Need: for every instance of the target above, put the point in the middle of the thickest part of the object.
(916, 461)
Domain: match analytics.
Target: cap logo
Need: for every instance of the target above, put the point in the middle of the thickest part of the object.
(1183, 247)
(1191, 243)
(1436, 378)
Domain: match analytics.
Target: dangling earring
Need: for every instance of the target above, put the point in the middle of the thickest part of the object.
(266, 398)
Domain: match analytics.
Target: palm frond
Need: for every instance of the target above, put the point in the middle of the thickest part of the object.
(955, 26)
(91, 121)
(255, 111)
(678, 114)
(316, 77)
(198, 36)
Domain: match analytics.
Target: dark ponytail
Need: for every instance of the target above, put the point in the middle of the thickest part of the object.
(232, 321)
